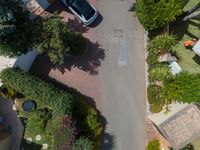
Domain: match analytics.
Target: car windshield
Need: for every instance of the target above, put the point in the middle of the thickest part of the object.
(83, 7)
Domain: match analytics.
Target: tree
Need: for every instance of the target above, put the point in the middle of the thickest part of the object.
(184, 87)
(56, 40)
(16, 30)
(154, 14)
(153, 145)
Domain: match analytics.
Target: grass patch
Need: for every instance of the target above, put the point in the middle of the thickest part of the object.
(185, 31)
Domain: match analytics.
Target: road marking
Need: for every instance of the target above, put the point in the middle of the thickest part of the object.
(123, 52)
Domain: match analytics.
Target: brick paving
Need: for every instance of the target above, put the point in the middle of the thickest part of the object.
(80, 73)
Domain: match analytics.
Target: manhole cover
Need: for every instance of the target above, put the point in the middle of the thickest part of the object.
(118, 32)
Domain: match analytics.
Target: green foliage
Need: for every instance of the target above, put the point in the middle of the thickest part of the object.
(160, 43)
(160, 74)
(88, 120)
(16, 30)
(56, 40)
(163, 41)
(153, 94)
(155, 108)
(156, 14)
(62, 129)
(153, 145)
(37, 90)
(184, 87)
(9, 93)
(37, 122)
(82, 144)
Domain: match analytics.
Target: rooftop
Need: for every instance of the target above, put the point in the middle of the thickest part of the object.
(183, 127)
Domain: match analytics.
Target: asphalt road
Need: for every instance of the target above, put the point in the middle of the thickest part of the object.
(122, 76)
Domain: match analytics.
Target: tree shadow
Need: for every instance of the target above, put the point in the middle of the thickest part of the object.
(180, 27)
(31, 146)
(88, 63)
(196, 59)
(108, 139)
(132, 8)
(76, 25)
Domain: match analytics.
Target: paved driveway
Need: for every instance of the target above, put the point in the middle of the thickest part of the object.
(122, 77)
(111, 74)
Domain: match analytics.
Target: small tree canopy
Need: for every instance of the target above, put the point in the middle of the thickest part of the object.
(154, 14)
(56, 40)
(16, 30)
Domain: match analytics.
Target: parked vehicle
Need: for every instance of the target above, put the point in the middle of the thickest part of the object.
(83, 9)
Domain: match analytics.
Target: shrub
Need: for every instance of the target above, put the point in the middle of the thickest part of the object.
(37, 89)
(64, 134)
(153, 94)
(156, 14)
(83, 144)
(184, 88)
(9, 93)
(163, 42)
(155, 108)
(88, 121)
(153, 145)
(160, 74)
(37, 122)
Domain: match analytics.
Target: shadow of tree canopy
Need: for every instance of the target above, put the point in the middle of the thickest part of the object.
(132, 8)
(180, 28)
(89, 62)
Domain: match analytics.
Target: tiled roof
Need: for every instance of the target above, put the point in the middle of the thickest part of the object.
(183, 127)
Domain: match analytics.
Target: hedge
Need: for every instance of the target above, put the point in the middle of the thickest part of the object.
(37, 89)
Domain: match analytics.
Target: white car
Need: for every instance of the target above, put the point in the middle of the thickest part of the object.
(83, 9)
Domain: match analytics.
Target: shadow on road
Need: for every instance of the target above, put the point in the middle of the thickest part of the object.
(88, 63)
(133, 7)
(108, 139)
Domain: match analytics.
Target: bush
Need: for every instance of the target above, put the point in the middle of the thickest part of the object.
(156, 14)
(63, 132)
(153, 94)
(37, 90)
(163, 42)
(9, 93)
(37, 122)
(155, 108)
(83, 144)
(188, 147)
(153, 145)
(88, 121)
(160, 74)
(184, 87)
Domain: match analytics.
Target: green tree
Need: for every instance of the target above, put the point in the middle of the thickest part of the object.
(153, 145)
(56, 40)
(154, 14)
(16, 30)
(82, 144)
(184, 87)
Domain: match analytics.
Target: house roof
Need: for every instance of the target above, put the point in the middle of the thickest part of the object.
(183, 127)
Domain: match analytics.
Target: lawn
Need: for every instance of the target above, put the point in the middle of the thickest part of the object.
(185, 31)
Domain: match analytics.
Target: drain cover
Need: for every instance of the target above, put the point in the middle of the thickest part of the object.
(118, 33)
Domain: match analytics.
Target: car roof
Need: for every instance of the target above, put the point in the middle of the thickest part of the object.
(83, 6)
